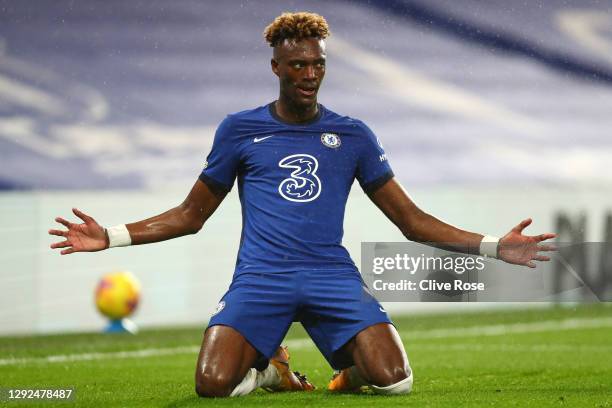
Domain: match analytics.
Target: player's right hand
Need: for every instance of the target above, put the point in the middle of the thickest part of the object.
(86, 237)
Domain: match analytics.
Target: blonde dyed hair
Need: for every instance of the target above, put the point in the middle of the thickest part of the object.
(296, 26)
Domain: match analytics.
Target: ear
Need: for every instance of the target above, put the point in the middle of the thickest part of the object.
(274, 65)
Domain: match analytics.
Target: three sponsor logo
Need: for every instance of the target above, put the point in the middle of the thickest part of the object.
(303, 185)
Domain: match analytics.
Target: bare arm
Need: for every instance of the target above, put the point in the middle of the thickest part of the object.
(416, 225)
(186, 218)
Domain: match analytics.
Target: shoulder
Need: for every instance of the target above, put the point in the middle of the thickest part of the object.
(242, 121)
(351, 123)
(245, 115)
(361, 132)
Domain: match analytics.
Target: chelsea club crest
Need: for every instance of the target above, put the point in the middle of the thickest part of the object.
(331, 140)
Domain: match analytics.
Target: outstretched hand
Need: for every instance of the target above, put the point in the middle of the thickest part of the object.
(519, 249)
(86, 237)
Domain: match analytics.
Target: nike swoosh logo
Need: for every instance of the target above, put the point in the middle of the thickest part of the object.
(259, 139)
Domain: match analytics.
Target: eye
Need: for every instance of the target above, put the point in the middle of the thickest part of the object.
(298, 65)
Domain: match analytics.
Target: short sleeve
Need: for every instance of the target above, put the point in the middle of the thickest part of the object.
(222, 163)
(373, 168)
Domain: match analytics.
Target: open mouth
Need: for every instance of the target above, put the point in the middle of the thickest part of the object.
(307, 91)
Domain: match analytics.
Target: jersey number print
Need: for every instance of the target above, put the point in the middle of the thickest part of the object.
(303, 185)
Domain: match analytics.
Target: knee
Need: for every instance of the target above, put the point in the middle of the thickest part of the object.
(213, 384)
(393, 375)
(400, 382)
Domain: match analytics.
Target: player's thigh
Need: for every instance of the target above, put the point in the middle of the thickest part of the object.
(224, 359)
(379, 354)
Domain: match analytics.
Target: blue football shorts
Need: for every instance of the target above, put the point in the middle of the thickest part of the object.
(333, 306)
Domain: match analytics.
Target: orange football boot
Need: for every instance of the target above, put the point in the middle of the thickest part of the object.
(289, 380)
(342, 382)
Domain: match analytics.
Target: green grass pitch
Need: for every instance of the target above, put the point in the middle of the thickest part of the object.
(543, 357)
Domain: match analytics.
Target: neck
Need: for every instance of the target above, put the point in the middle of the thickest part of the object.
(295, 114)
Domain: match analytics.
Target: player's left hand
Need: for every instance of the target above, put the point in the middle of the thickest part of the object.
(519, 249)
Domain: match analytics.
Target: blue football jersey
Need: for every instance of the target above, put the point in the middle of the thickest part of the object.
(293, 183)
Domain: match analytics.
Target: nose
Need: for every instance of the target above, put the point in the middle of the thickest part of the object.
(309, 72)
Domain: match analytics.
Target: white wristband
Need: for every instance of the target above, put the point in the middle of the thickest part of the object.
(118, 236)
(488, 246)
